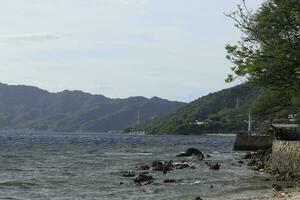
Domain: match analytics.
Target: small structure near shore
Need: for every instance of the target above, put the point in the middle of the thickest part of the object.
(287, 132)
(251, 142)
(285, 157)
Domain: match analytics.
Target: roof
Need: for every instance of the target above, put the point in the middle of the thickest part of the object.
(286, 125)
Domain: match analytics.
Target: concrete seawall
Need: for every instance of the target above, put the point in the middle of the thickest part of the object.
(245, 142)
(286, 157)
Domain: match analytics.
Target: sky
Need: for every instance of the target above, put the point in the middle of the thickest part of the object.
(173, 49)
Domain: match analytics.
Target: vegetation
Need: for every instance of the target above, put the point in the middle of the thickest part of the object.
(223, 111)
(267, 56)
(30, 107)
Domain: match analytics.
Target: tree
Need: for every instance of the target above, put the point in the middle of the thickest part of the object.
(268, 54)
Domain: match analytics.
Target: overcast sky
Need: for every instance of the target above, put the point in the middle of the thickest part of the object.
(118, 48)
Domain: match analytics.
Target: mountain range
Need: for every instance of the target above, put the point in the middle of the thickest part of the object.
(223, 111)
(27, 107)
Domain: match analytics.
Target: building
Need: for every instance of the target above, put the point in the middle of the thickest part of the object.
(287, 132)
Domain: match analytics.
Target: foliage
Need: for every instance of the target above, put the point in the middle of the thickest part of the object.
(267, 55)
(217, 112)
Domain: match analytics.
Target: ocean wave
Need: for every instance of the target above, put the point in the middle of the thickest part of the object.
(21, 184)
(127, 154)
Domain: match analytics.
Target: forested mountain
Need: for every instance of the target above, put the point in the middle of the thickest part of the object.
(31, 107)
(223, 111)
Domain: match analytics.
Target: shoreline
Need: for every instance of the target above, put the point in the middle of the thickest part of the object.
(221, 134)
(288, 194)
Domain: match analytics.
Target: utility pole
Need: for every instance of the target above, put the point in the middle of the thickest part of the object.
(138, 118)
(249, 122)
(237, 103)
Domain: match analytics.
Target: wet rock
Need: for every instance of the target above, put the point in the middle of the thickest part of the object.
(241, 162)
(253, 162)
(169, 181)
(142, 179)
(211, 187)
(248, 155)
(198, 198)
(192, 152)
(261, 152)
(163, 166)
(208, 156)
(181, 165)
(215, 166)
(277, 187)
(144, 167)
(128, 174)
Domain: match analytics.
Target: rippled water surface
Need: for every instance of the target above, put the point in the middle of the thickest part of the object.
(89, 166)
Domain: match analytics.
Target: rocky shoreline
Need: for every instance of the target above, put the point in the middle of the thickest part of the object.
(283, 186)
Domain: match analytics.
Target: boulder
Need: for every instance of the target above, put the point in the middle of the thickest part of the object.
(182, 165)
(277, 187)
(163, 166)
(142, 179)
(192, 152)
(144, 167)
(169, 181)
(215, 166)
(128, 174)
(248, 155)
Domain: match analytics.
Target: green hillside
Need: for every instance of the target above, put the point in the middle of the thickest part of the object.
(223, 111)
(31, 107)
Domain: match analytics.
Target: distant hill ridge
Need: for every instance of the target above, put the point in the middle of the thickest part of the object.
(30, 107)
(222, 111)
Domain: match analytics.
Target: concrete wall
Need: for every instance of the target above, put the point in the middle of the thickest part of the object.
(252, 143)
(286, 157)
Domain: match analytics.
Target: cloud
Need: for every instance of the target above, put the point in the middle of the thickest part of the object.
(30, 37)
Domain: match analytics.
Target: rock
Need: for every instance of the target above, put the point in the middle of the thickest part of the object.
(128, 174)
(192, 152)
(163, 166)
(198, 198)
(145, 173)
(211, 187)
(181, 165)
(207, 155)
(215, 166)
(144, 167)
(253, 162)
(143, 179)
(169, 181)
(277, 187)
(261, 152)
(121, 183)
(248, 155)
(241, 162)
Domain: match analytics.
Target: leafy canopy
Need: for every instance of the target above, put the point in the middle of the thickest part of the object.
(268, 54)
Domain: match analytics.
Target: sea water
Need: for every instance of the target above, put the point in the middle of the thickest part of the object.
(63, 166)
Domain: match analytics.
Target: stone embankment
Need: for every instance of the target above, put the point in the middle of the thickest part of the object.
(285, 159)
